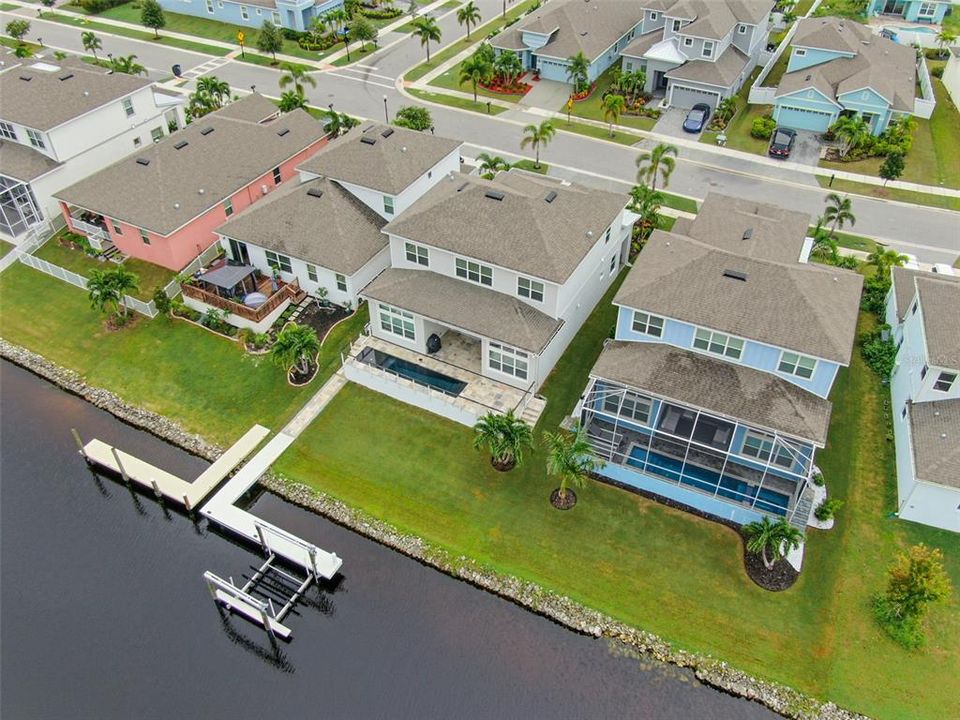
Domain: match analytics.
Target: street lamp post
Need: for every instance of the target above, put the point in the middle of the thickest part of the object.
(386, 113)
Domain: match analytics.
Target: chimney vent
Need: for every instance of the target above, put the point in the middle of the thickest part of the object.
(735, 275)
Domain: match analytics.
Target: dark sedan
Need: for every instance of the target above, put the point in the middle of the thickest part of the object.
(697, 118)
(781, 144)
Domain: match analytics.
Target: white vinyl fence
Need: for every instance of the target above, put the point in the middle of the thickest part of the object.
(760, 95)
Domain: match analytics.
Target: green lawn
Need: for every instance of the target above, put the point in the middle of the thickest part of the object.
(679, 202)
(594, 131)
(450, 80)
(8, 6)
(458, 102)
(855, 242)
(738, 131)
(592, 107)
(802, 8)
(5, 247)
(779, 68)
(87, 24)
(356, 54)
(850, 9)
(888, 193)
(530, 166)
(267, 61)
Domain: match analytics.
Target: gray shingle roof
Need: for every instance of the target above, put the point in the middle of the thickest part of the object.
(46, 101)
(640, 44)
(805, 308)
(733, 391)
(831, 33)
(335, 231)
(22, 162)
(715, 19)
(722, 73)
(935, 430)
(775, 233)
(905, 289)
(165, 194)
(520, 231)
(466, 306)
(389, 164)
(253, 108)
(940, 305)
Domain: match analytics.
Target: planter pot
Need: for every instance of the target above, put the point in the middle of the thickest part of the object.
(564, 503)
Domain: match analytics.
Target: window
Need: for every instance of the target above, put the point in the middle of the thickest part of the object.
(116, 227)
(156, 134)
(654, 16)
(127, 105)
(144, 237)
(945, 381)
(508, 360)
(398, 322)
(913, 310)
(530, 289)
(210, 6)
(742, 29)
(800, 52)
(341, 283)
(312, 272)
(281, 262)
(276, 18)
(927, 9)
(707, 51)
(794, 364)
(387, 205)
(677, 24)
(259, 12)
(760, 446)
(923, 372)
(137, 142)
(7, 131)
(628, 66)
(718, 344)
(613, 263)
(417, 254)
(647, 324)
(628, 405)
(243, 13)
(36, 139)
(474, 272)
(606, 236)
(220, 4)
(903, 413)
(277, 177)
(688, 42)
(228, 207)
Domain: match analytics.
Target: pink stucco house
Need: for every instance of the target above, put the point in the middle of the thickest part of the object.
(162, 203)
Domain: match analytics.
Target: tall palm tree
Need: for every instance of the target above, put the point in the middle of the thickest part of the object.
(508, 67)
(571, 458)
(771, 540)
(505, 436)
(537, 136)
(469, 15)
(216, 89)
(646, 203)
(128, 65)
(839, 212)
(427, 30)
(613, 106)
(490, 165)
(91, 43)
(297, 76)
(852, 130)
(102, 292)
(629, 82)
(295, 347)
(475, 69)
(578, 69)
(657, 162)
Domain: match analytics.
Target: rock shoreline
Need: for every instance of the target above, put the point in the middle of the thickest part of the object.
(718, 674)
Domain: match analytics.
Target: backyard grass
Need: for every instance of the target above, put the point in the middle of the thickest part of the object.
(450, 80)
(5, 247)
(592, 107)
(86, 24)
(8, 6)
(889, 193)
(779, 68)
(457, 102)
(850, 9)
(530, 166)
(802, 8)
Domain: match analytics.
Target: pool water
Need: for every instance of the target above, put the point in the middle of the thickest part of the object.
(708, 480)
(414, 372)
(919, 29)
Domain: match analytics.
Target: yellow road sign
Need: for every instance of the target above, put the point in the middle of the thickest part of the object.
(240, 37)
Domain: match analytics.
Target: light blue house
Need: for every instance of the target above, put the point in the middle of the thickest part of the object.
(839, 67)
(293, 14)
(713, 392)
(918, 11)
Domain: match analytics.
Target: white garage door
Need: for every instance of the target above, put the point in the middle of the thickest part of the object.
(803, 119)
(684, 96)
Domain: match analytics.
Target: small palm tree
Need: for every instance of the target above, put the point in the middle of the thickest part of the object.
(646, 203)
(578, 71)
(490, 165)
(476, 70)
(297, 76)
(839, 212)
(427, 30)
(91, 43)
(853, 130)
(128, 65)
(571, 458)
(338, 18)
(613, 106)
(469, 15)
(726, 108)
(216, 89)
(508, 67)
(290, 101)
(945, 39)
(771, 540)
(106, 289)
(884, 258)
(295, 347)
(537, 136)
(505, 436)
(657, 162)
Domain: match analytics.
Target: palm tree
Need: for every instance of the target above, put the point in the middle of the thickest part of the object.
(295, 347)
(319, 25)
(505, 436)
(578, 69)
(659, 161)
(128, 65)
(839, 211)
(338, 123)
(469, 15)
(106, 288)
(216, 89)
(630, 82)
(884, 258)
(772, 540)
(537, 136)
(571, 458)
(426, 29)
(508, 67)
(726, 108)
(338, 18)
(91, 43)
(646, 203)
(475, 69)
(824, 246)
(290, 101)
(297, 76)
(852, 129)
(945, 39)
(613, 106)
(490, 165)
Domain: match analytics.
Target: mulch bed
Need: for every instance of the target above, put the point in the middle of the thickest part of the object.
(503, 467)
(778, 578)
(563, 504)
(111, 324)
(322, 319)
(299, 379)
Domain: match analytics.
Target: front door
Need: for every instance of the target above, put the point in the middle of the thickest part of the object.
(238, 251)
(659, 80)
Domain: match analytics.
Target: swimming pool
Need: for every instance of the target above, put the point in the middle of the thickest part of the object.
(708, 481)
(918, 29)
(412, 371)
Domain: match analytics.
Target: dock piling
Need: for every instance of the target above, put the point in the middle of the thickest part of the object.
(123, 472)
(156, 489)
(76, 437)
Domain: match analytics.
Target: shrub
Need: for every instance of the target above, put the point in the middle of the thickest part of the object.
(311, 42)
(295, 35)
(818, 478)
(161, 301)
(880, 354)
(937, 72)
(413, 117)
(875, 291)
(916, 579)
(827, 509)
(763, 127)
(98, 6)
(385, 13)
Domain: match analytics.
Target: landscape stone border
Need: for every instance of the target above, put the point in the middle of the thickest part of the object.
(713, 672)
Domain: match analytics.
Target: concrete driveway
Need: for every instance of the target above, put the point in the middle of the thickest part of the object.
(806, 150)
(671, 123)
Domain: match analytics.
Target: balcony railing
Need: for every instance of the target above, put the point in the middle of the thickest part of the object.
(93, 232)
(287, 291)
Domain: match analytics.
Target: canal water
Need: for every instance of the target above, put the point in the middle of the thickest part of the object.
(104, 613)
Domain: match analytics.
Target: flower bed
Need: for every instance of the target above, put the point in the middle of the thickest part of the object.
(583, 94)
(518, 87)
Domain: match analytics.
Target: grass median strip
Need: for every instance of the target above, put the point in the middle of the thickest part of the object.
(109, 29)
(267, 61)
(889, 193)
(457, 102)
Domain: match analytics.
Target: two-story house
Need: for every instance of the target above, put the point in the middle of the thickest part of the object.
(164, 203)
(324, 229)
(839, 66)
(293, 14)
(923, 311)
(489, 280)
(61, 121)
(713, 392)
(695, 51)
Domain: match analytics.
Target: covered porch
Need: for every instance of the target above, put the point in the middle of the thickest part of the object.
(90, 224)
